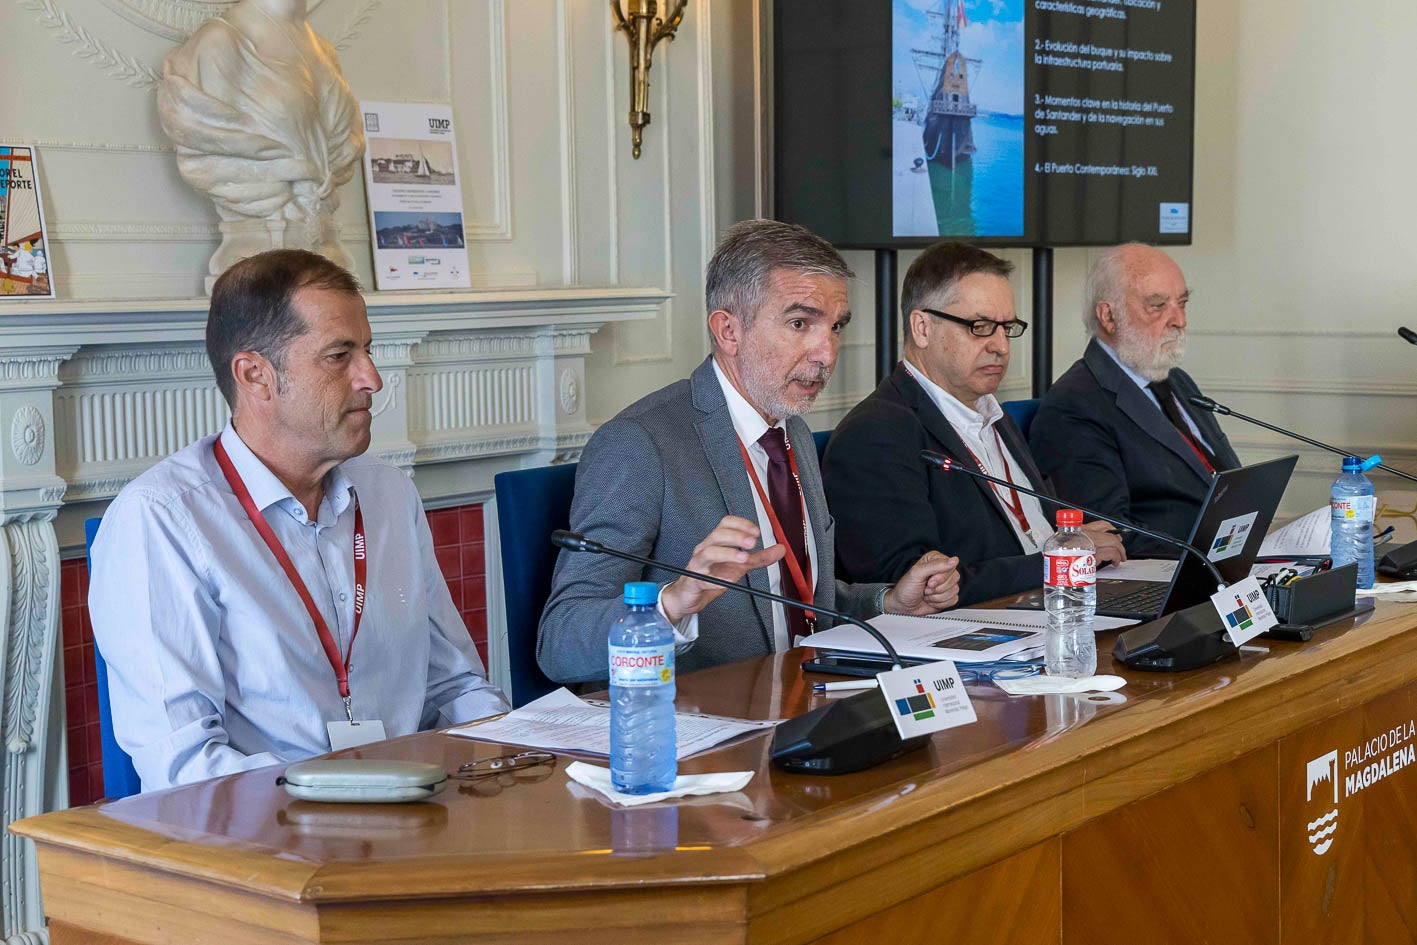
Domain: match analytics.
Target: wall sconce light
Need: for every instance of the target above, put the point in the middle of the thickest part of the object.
(644, 30)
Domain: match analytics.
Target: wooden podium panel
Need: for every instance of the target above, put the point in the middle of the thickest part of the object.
(1177, 810)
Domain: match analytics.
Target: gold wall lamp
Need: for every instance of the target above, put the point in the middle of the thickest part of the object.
(643, 29)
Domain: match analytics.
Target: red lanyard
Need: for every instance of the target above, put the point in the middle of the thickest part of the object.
(794, 567)
(1013, 501)
(361, 569)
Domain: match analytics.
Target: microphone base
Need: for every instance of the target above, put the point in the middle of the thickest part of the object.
(843, 736)
(1187, 639)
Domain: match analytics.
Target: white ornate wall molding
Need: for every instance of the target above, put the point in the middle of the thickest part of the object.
(93, 393)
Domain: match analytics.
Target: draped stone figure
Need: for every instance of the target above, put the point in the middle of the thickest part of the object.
(266, 126)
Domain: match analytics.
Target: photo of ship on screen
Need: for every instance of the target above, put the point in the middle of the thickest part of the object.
(957, 101)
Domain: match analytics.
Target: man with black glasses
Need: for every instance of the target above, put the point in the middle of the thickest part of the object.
(889, 506)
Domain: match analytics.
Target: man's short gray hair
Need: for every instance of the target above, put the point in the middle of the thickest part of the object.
(1106, 282)
(751, 251)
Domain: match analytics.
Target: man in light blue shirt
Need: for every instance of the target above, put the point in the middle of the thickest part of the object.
(270, 593)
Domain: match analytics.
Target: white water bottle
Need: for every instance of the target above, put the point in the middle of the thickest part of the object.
(1070, 598)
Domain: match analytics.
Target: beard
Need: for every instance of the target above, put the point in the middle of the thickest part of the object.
(774, 394)
(1152, 360)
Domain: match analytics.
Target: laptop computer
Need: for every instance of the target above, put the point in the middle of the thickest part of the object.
(1230, 528)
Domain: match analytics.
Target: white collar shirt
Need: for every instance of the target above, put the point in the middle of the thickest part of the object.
(975, 426)
(214, 664)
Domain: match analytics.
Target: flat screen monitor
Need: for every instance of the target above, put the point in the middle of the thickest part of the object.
(1000, 122)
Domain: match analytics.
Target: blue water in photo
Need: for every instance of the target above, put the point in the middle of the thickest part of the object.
(983, 195)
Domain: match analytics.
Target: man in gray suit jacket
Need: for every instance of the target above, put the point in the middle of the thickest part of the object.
(724, 454)
(1117, 432)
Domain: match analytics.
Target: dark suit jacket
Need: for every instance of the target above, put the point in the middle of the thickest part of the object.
(654, 481)
(1102, 443)
(891, 508)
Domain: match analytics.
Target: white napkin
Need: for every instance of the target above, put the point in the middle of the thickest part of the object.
(598, 780)
(1391, 587)
(1042, 685)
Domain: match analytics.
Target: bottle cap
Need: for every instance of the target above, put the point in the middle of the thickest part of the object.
(1069, 518)
(641, 593)
(1352, 464)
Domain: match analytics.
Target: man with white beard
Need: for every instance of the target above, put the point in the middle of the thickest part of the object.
(1117, 432)
(726, 454)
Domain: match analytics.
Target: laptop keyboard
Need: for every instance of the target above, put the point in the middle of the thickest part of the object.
(1145, 600)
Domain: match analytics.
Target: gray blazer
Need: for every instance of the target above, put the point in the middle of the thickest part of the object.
(654, 481)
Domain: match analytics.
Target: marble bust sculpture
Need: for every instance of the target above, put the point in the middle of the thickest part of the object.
(265, 126)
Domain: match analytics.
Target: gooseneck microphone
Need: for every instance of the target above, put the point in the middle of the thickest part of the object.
(1206, 403)
(1407, 335)
(1181, 640)
(574, 542)
(842, 736)
(950, 464)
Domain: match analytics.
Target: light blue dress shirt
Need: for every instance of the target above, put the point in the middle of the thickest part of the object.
(214, 665)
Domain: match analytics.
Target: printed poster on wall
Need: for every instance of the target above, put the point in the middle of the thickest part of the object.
(24, 252)
(415, 199)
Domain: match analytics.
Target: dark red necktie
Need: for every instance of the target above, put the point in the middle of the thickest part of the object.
(1167, 399)
(785, 494)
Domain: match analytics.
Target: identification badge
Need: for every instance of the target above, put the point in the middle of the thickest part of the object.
(1244, 610)
(354, 734)
(926, 698)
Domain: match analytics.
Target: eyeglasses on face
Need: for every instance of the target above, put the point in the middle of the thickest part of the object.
(982, 327)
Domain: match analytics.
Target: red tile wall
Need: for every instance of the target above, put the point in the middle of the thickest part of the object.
(457, 542)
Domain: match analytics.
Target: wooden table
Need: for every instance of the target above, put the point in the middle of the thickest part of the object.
(1177, 811)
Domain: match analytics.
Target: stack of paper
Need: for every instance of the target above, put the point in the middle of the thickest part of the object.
(562, 722)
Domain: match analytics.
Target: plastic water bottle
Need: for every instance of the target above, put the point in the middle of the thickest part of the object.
(642, 757)
(1070, 598)
(1352, 504)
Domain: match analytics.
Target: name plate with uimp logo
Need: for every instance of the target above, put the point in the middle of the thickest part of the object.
(1244, 610)
(926, 698)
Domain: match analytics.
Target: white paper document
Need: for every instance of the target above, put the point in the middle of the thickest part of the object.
(965, 636)
(559, 721)
(1140, 569)
(1307, 535)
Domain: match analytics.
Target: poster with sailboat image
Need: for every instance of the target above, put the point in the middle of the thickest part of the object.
(415, 199)
(24, 251)
(957, 117)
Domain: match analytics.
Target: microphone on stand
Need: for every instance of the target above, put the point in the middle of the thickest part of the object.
(950, 464)
(1205, 403)
(1407, 335)
(846, 735)
(1178, 641)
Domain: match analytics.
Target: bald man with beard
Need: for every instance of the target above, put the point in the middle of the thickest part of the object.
(1117, 432)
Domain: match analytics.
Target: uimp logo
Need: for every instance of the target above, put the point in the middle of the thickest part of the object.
(439, 126)
(1320, 831)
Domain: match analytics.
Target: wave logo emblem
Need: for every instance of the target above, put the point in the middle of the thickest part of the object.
(1321, 831)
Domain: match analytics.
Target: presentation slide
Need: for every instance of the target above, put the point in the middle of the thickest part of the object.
(1005, 122)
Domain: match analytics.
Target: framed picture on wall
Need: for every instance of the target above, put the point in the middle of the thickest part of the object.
(24, 252)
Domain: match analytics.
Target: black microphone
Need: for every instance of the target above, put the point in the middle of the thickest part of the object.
(950, 464)
(1205, 403)
(1407, 335)
(840, 737)
(1185, 639)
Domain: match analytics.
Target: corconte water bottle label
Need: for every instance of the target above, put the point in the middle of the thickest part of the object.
(1356, 508)
(642, 665)
(1079, 570)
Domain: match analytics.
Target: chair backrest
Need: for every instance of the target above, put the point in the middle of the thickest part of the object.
(820, 438)
(120, 778)
(1022, 412)
(531, 504)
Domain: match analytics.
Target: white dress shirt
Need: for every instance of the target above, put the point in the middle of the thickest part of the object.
(214, 664)
(975, 427)
(1142, 382)
(750, 427)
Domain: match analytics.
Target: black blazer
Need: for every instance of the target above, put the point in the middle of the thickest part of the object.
(1102, 443)
(891, 508)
